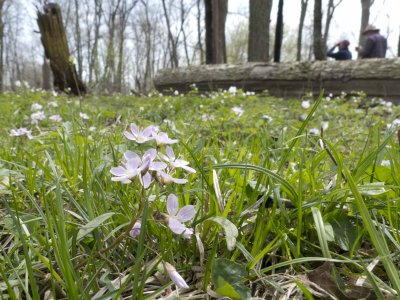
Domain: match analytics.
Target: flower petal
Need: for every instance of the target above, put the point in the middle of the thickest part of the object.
(176, 226)
(134, 129)
(175, 277)
(130, 155)
(118, 171)
(172, 205)
(186, 213)
(170, 152)
(145, 180)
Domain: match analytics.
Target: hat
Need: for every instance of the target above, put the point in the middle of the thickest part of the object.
(370, 27)
(345, 43)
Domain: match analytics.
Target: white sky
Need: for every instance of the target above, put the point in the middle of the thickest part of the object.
(384, 14)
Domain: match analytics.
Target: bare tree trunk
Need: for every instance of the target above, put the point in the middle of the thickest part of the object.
(124, 15)
(93, 66)
(278, 33)
(215, 15)
(319, 52)
(303, 11)
(199, 38)
(259, 24)
(56, 49)
(1, 45)
(78, 39)
(329, 15)
(171, 41)
(365, 6)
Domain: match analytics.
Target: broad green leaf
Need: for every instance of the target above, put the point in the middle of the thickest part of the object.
(227, 277)
(93, 224)
(230, 231)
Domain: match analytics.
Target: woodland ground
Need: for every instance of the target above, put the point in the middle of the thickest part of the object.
(291, 198)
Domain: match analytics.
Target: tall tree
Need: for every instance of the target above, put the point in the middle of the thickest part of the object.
(171, 40)
(318, 47)
(199, 31)
(215, 17)
(304, 4)
(365, 7)
(259, 25)
(278, 33)
(1, 43)
(329, 15)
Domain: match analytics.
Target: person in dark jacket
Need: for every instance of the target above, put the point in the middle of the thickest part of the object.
(343, 52)
(375, 44)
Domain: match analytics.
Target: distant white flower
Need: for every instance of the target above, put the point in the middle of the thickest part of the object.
(92, 128)
(324, 125)
(207, 117)
(237, 111)
(176, 93)
(53, 104)
(141, 108)
(55, 118)
(175, 277)
(18, 83)
(37, 116)
(167, 179)
(84, 116)
(36, 107)
(139, 136)
(55, 94)
(20, 132)
(314, 131)
(267, 117)
(385, 163)
(176, 216)
(175, 162)
(232, 90)
(135, 231)
(162, 139)
(305, 104)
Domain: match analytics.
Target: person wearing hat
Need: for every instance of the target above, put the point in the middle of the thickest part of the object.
(375, 44)
(343, 52)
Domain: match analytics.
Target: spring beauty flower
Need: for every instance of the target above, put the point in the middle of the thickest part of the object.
(176, 216)
(37, 116)
(36, 107)
(84, 116)
(55, 118)
(162, 139)
(238, 111)
(175, 277)
(135, 231)
(305, 104)
(20, 132)
(139, 136)
(175, 162)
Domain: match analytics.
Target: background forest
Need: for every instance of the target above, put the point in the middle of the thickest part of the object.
(118, 45)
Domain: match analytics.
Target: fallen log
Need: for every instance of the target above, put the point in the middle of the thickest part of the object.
(375, 77)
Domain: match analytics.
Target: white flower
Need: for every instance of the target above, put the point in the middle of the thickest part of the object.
(176, 93)
(385, 163)
(162, 139)
(175, 277)
(140, 136)
(36, 107)
(135, 231)
(53, 104)
(232, 90)
(267, 118)
(37, 116)
(84, 116)
(176, 216)
(20, 132)
(305, 104)
(325, 125)
(167, 179)
(175, 162)
(314, 131)
(55, 118)
(237, 111)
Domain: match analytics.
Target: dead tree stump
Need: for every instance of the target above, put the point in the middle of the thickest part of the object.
(55, 45)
